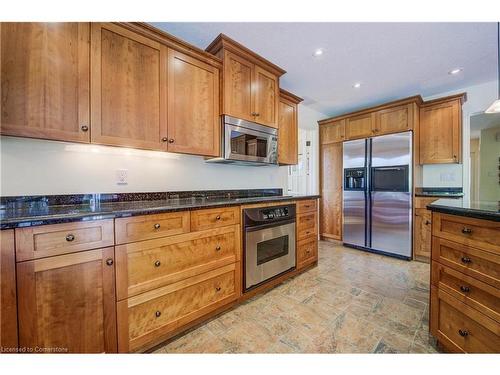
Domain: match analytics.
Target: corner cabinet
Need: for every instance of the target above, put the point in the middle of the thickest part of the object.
(441, 131)
(288, 128)
(250, 83)
(45, 80)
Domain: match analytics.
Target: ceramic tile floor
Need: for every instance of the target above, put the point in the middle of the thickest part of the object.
(352, 302)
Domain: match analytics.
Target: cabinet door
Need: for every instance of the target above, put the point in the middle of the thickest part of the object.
(266, 97)
(67, 302)
(193, 106)
(8, 305)
(238, 73)
(128, 88)
(333, 132)
(422, 235)
(45, 80)
(287, 133)
(440, 133)
(331, 191)
(394, 120)
(359, 126)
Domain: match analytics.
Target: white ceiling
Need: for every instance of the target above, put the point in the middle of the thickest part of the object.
(391, 60)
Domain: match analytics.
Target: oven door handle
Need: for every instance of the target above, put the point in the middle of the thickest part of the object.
(269, 225)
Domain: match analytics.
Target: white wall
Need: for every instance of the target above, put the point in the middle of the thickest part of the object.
(479, 97)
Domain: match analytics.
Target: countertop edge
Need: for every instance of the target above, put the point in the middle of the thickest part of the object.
(467, 212)
(41, 220)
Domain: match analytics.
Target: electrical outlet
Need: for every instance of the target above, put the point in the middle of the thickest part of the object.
(122, 176)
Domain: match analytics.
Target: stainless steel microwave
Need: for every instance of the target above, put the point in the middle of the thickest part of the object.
(245, 142)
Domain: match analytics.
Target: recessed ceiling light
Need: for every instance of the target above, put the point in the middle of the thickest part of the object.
(318, 52)
(357, 85)
(455, 71)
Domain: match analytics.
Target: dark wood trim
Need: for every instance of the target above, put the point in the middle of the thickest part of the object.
(462, 97)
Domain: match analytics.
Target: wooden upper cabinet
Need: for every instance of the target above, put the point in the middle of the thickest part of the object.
(359, 126)
(128, 91)
(238, 76)
(394, 120)
(332, 132)
(68, 302)
(45, 80)
(266, 97)
(331, 175)
(288, 152)
(193, 106)
(441, 131)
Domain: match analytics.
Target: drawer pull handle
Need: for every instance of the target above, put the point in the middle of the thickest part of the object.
(464, 289)
(157, 314)
(217, 289)
(157, 263)
(466, 260)
(466, 230)
(70, 237)
(217, 217)
(463, 333)
(109, 262)
(157, 226)
(217, 248)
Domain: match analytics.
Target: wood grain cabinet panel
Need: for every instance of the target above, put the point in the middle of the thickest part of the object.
(129, 88)
(422, 235)
(359, 126)
(155, 315)
(332, 132)
(45, 80)
(309, 205)
(214, 218)
(441, 133)
(193, 106)
(393, 120)
(49, 240)
(146, 265)
(287, 133)
(307, 252)
(67, 302)
(8, 301)
(331, 190)
(307, 225)
(145, 227)
(266, 97)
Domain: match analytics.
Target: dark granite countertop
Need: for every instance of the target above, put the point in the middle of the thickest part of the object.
(462, 207)
(41, 213)
(439, 192)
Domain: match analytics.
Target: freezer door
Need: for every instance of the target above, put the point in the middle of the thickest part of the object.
(392, 149)
(391, 222)
(354, 218)
(354, 153)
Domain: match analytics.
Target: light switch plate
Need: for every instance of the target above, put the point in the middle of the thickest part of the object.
(122, 176)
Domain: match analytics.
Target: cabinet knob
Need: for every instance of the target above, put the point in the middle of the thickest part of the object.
(217, 248)
(257, 114)
(463, 333)
(454, 156)
(466, 260)
(164, 139)
(84, 128)
(217, 289)
(109, 262)
(466, 230)
(308, 251)
(157, 226)
(217, 217)
(157, 263)
(157, 314)
(427, 222)
(171, 140)
(464, 289)
(70, 237)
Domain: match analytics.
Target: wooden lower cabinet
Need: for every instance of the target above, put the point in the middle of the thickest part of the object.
(8, 303)
(307, 252)
(67, 303)
(307, 233)
(331, 191)
(422, 235)
(157, 315)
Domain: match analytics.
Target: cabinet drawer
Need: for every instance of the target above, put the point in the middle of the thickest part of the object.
(50, 240)
(482, 234)
(307, 206)
(142, 266)
(307, 225)
(214, 218)
(152, 316)
(479, 264)
(145, 227)
(468, 290)
(461, 328)
(307, 252)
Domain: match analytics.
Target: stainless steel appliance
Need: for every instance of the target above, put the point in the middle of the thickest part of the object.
(377, 194)
(269, 242)
(248, 143)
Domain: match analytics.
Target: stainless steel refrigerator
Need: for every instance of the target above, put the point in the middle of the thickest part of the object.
(377, 194)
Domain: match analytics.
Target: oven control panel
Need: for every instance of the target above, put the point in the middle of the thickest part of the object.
(274, 213)
(268, 215)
